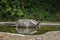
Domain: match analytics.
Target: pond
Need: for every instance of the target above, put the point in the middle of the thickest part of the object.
(41, 30)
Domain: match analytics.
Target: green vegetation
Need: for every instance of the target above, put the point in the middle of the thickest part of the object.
(44, 10)
(41, 30)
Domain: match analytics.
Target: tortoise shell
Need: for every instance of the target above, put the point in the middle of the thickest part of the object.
(26, 23)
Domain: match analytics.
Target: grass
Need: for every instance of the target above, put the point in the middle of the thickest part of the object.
(41, 30)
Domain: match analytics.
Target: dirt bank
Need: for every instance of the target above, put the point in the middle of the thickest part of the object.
(53, 35)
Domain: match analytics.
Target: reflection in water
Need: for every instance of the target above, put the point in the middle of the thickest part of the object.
(26, 30)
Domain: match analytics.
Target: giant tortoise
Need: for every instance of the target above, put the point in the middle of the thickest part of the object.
(26, 23)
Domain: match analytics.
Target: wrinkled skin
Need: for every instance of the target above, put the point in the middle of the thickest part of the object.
(26, 23)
